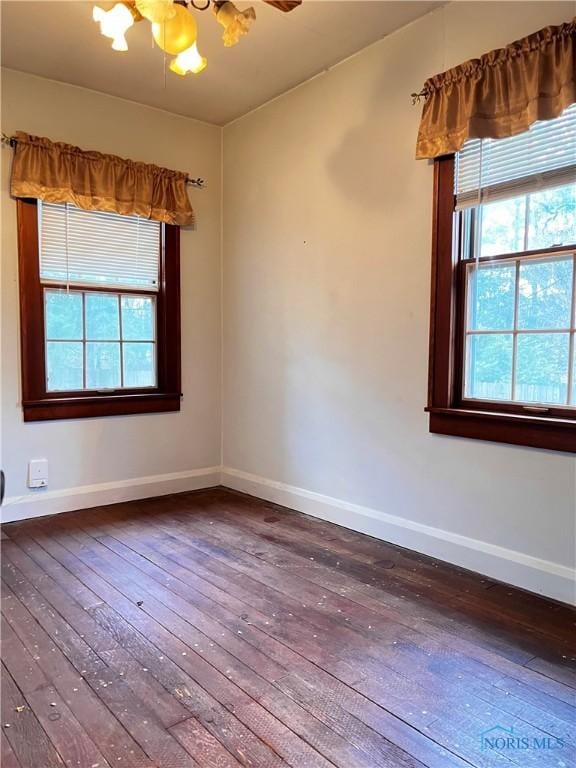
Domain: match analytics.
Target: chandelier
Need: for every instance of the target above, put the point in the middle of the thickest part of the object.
(174, 27)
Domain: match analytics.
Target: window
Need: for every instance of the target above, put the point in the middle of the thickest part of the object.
(503, 320)
(100, 313)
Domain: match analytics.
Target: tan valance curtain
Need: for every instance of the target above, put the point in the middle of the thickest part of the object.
(500, 94)
(61, 173)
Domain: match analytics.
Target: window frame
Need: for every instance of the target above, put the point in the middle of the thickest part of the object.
(38, 404)
(449, 412)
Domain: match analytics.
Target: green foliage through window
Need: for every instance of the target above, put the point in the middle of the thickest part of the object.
(97, 340)
(520, 312)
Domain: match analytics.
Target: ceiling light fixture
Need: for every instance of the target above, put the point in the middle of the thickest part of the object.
(174, 27)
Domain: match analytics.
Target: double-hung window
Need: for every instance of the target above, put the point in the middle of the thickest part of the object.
(503, 332)
(99, 312)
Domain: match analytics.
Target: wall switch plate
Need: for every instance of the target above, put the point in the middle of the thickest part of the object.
(38, 473)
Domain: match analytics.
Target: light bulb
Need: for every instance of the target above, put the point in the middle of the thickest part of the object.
(188, 61)
(114, 24)
(236, 23)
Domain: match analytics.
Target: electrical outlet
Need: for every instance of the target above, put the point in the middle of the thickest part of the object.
(38, 473)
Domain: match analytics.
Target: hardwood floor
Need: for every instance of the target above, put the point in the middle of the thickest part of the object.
(212, 629)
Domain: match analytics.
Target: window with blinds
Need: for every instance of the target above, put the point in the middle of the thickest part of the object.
(542, 158)
(100, 274)
(97, 249)
(516, 207)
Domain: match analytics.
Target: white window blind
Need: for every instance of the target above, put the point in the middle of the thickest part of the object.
(95, 248)
(542, 157)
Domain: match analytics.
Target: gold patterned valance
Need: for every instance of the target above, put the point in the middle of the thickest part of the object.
(501, 94)
(61, 173)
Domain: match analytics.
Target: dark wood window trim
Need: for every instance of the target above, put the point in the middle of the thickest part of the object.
(40, 405)
(449, 413)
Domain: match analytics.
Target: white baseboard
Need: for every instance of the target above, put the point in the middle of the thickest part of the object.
(512, 567)
(506, 565)
(44, 502)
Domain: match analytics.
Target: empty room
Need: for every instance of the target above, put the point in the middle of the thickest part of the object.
(288, 384)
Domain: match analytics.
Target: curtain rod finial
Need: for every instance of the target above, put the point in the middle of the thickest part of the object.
(8, 140)
(197, 183)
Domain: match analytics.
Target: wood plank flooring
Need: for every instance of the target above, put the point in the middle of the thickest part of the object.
(213, 629)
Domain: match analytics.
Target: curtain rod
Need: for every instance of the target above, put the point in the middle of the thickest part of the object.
(198, 183)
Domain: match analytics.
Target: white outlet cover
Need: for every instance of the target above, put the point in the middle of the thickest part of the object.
(38, 473)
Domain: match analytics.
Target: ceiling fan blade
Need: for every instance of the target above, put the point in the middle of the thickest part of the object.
(284, 5)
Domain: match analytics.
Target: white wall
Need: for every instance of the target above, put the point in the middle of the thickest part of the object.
(326, 297)
(118, 450)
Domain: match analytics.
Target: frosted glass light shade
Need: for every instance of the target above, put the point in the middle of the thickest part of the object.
(236, 23)
(114, 24)
(188, 61)
(156, 11)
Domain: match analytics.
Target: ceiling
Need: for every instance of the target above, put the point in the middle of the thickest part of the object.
(59, 40)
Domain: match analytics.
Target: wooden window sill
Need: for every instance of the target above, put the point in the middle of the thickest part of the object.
(534, 431)
(100, 405)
